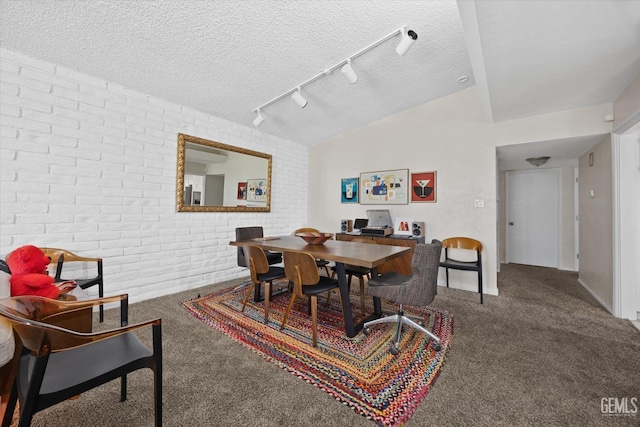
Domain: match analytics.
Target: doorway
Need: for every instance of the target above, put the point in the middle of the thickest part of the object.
(532, 230)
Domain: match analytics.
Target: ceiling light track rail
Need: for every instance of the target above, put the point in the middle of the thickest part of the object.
(408, 37)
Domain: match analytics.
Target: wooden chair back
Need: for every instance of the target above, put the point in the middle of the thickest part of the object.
(55, 254)
(301, 269)
(462, 243)
(258, 263)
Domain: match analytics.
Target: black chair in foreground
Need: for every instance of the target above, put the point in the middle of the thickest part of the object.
(468, 244)
(419, 289)
(58, 363)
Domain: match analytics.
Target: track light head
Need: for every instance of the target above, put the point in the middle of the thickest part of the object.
(348, 72)
(300, 100)
(258, 120)
(408, 38)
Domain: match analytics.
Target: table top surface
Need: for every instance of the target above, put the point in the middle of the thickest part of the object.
(361, 254)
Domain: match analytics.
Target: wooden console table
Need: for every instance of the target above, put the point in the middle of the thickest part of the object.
(401, 264)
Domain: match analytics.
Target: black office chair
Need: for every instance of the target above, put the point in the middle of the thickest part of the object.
(248, 233)
(419, 289)
(61, 359)
(468, 244)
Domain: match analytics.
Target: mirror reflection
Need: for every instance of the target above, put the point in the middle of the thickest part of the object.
(216, 177)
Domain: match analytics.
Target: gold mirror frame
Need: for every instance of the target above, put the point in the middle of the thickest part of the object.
(180, 172)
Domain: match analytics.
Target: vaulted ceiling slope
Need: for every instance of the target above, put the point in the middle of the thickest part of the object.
(227, 58)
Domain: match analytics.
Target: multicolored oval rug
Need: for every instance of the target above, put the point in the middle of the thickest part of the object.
(360, 372)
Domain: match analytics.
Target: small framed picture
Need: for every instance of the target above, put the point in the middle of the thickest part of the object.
(423, 187)
(349, 193)
(257, 190)
(242, 191)
(402, 226)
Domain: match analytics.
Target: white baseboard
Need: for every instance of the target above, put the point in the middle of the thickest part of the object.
(602, 303)
(470, 288)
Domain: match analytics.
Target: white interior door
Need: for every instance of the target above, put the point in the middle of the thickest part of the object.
(533, 217)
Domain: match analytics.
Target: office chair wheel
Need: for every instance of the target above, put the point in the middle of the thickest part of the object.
(366, 331)
(394, 350)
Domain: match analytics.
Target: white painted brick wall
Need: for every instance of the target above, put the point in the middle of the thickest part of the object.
(90, 166)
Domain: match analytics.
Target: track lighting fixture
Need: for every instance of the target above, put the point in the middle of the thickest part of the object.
(300, 100)
(348, 72)
(408, 38)
(259, 119)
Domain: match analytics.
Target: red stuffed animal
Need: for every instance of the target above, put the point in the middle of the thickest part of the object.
(28, 266)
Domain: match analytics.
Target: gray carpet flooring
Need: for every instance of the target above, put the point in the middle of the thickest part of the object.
(542, 353)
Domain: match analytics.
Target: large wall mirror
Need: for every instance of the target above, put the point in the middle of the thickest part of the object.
(216, 177)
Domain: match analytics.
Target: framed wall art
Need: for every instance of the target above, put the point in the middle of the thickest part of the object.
(349, 190)
(257, 190)
(385, 187)
(423, 187)
(402, 226)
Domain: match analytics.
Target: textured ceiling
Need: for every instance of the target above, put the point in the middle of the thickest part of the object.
(228, 57)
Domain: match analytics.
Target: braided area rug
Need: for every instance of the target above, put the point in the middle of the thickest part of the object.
(360, 372)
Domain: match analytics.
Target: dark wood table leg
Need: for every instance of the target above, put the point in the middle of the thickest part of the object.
(349, 326)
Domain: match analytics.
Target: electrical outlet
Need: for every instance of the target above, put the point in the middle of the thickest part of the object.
(478, 203)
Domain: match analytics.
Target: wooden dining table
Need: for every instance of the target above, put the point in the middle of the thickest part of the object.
(340, 252)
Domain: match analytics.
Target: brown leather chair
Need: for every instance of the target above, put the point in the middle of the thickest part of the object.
(261, 273)
(419, 289)
(57, 363)
(468, 244)
(61, 256)
(300, 268)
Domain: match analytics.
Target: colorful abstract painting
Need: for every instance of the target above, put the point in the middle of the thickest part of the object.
(386, 187)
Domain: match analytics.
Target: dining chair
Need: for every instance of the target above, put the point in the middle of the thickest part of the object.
(254, 232)
(320, 263)
(300, 268)
(357, 271)
(62, 256)
(57, 363)
(460, 245)
(261, 272)
(418, 289)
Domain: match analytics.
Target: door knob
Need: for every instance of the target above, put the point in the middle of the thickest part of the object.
(511, 223)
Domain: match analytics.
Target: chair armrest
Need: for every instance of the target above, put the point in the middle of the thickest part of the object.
(73, 339)
(69, 307)
(73, 257)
